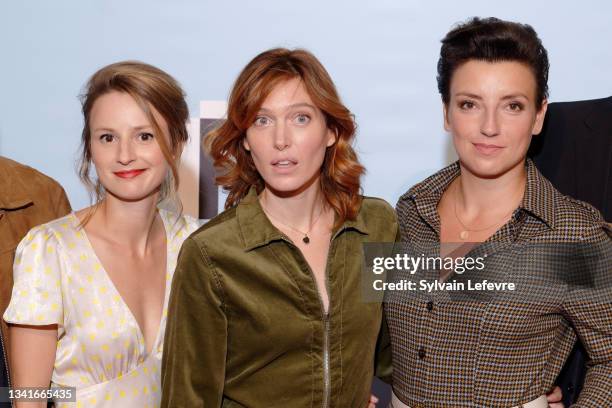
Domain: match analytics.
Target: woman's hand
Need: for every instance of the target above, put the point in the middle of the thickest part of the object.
(555, 398)
(373, 401)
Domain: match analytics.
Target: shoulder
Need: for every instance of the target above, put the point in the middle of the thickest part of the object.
(374, 207)
(32, 178)
(577, 219)
(223, 228)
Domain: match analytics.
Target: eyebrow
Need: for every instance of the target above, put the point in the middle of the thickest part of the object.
(505, 97)
(107, 129)
(293, 106)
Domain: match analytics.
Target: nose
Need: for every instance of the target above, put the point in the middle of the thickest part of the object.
(490, 123)
(282, 136)
(126, 154)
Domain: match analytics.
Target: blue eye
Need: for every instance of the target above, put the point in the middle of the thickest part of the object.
(302, 119)
(262, 121)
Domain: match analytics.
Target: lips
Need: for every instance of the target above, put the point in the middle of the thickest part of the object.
(127, 174)
(487, 149)
(284, 162)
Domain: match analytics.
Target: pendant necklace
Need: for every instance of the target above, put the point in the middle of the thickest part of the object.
(465, 233)
(305, 238)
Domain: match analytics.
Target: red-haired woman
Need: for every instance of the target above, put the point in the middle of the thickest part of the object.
(266, 307)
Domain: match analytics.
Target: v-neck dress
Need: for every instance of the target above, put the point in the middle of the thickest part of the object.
(100, 349)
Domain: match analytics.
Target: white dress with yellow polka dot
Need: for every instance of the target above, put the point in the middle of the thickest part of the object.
(100, 349)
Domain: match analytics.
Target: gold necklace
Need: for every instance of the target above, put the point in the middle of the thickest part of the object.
(466, 231)
(305, 238)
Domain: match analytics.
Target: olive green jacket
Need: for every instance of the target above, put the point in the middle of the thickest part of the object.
(246, 326)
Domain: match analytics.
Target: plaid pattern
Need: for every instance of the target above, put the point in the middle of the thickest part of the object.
(500, 354)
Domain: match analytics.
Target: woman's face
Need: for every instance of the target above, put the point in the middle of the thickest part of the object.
(128, 160)
(492, 114)
(288, 139)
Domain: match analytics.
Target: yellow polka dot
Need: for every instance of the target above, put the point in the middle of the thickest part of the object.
(92, 336)
(28, 269)
(100, 325)
(109, 312)
(107, 397)
(40, 317)
(32, 307)
(105, 347)
(135, 391)
(145, 390)
(81, 290)
(145, 370)
(165, 313)
(34, 246)
(74, 361)
(47, 270)
(126, 343)
(89, 278)
(97, 267)
(83, 257)
(118, 356)
(154, 370)
(79, 404)
(78, 234)
(117, 298)
(45, 295)
(95, 357)
(71, 245)
(50, 249)
(87, 313)
(58, 235)
(121, 393)
(135, 373)
(108, 367)
(154, 388)
(29, 237)
(54, 307)
(92, 401)
(103, 290)
(23, 293)
(17, 260)
(65, 225)
(168, 276)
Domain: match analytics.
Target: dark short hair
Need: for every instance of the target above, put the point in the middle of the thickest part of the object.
(492, 40)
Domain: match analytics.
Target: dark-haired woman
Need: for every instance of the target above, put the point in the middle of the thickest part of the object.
(266, 307)
(492, 76)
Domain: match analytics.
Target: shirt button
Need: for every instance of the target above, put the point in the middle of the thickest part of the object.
(430, 305)
(422, 353)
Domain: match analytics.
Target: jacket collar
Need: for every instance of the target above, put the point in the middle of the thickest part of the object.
(538, 200)
(257, 230)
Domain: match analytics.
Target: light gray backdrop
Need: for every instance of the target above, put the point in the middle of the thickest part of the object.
(382, 55)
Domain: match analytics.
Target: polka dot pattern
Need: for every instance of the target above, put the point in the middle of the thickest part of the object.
(100, 349)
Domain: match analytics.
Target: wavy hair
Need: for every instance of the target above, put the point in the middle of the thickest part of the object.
(341, 170)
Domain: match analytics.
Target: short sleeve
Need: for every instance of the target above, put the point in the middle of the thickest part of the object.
(36, 298)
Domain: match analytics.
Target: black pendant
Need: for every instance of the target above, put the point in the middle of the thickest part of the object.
(306, 239)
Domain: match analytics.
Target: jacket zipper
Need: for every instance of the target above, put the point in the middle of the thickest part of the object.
(324, 316)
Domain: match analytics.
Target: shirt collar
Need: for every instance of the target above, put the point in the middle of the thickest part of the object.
(257, 230)
(538, 199)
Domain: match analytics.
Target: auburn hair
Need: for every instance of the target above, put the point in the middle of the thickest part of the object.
(341, 170)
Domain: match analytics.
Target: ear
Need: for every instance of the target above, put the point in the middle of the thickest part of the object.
(332, 137)
(245, 144)
(445, 113)
(539, 120)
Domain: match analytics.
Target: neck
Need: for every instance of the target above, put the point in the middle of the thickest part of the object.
(129, 224)
(476, 194)
(299, 210)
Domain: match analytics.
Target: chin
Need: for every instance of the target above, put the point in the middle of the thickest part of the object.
(491, 168)
(131, 196)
